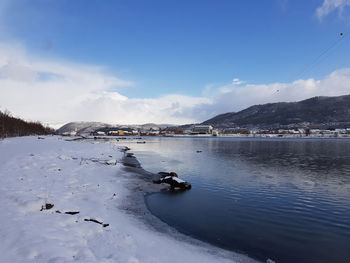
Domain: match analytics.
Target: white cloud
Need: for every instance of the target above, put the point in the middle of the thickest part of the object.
(55, 91)
(237, 81)
(58, 92)
(18, 72)
(49, 90)
(231, 98)
(329, 6)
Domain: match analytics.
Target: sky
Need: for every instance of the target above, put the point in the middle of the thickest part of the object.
(175, 62)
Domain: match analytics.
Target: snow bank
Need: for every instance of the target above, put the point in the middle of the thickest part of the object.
(84, 177)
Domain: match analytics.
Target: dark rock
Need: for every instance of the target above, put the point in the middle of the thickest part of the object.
(176, 184)
(164, 174)
(173, 180)
(47, 206)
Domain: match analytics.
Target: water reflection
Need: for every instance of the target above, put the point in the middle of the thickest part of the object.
(282, 199)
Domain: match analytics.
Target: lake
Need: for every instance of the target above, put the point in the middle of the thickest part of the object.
(283, 199)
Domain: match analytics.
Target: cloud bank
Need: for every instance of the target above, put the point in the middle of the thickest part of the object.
(57, 92)
(329, 6)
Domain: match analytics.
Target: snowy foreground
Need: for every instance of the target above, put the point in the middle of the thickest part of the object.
(81, 177)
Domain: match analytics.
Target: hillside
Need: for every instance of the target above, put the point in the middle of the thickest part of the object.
(88, 127)
(82, 127)
(316, 111)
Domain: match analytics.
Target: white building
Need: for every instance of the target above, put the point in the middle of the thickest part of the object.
(202, 129)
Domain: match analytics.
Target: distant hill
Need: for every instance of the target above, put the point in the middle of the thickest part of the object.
(88, 127)
(12, 127)
(316, 111)
(147, 126)
(82, 127)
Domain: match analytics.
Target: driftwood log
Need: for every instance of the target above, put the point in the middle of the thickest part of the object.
(96, 221)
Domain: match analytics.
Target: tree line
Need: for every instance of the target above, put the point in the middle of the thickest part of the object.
(12, 127)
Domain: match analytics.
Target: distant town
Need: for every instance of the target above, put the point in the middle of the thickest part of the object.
(209, 130)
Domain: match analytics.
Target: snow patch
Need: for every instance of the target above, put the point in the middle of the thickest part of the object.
(34, 174)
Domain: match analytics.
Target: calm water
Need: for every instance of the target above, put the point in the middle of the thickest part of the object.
(288, 200)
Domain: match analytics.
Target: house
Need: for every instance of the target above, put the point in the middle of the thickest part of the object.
(100, 133)
(113, 133)
(71, 133)
(202, 129)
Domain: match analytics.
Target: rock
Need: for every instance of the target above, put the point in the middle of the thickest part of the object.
(173, 180)
(165, 174)
(47, 206)
(176, 183)
(173, 174)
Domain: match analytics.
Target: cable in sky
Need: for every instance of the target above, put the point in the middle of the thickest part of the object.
(340, 37)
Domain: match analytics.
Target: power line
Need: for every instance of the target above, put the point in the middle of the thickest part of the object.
(322, 55)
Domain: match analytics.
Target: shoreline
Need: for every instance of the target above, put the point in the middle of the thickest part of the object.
(140, 209)
(289, 169)
(240, 136)
(73, 201)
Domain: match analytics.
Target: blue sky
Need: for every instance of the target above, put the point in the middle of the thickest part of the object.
(188, 48)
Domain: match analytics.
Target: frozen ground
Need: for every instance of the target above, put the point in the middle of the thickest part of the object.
(81, 177)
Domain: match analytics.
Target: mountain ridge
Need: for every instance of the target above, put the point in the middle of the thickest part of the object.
(320, 110)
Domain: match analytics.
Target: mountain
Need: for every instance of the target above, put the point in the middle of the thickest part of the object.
(148, 126)
(316, 111)
(82, 127)
(88, 127)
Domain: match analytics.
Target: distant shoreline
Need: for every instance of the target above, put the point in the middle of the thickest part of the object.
(260, 136)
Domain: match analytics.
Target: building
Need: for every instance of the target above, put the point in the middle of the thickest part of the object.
(99, 133)
(113, 133)
(202, 129)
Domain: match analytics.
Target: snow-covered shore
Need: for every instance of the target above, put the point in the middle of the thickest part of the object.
(81, 177)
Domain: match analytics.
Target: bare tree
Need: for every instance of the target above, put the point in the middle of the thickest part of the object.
(11, 126)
